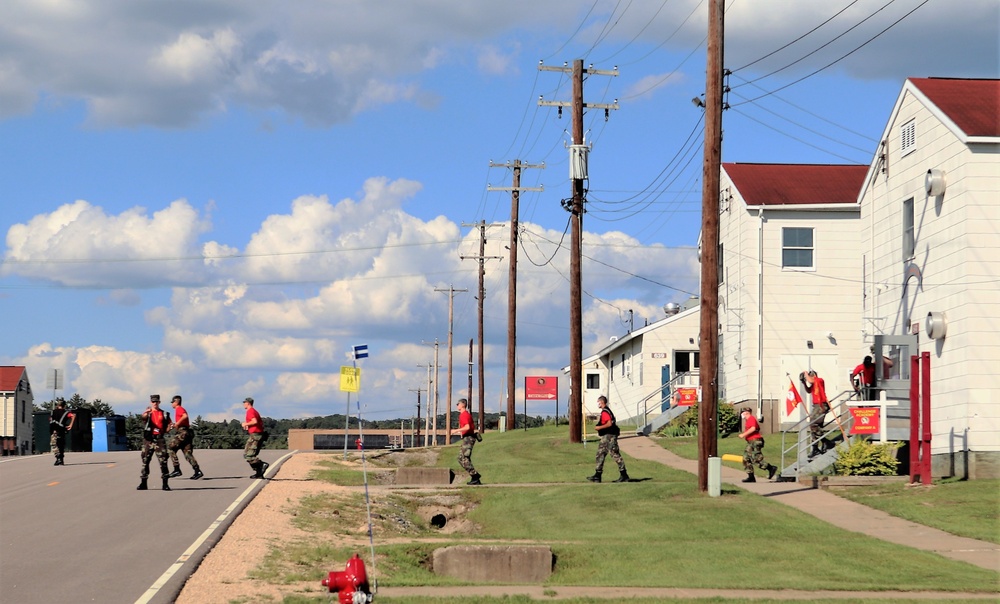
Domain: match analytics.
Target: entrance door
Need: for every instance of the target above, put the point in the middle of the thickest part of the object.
(892, 364)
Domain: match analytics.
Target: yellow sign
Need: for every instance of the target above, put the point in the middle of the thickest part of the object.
(350, 379)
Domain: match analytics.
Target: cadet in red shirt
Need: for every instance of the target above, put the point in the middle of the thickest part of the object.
(254, 426)
(468, 431)
(817, 413)
(183, 440)
(754, 452)
(156, 423)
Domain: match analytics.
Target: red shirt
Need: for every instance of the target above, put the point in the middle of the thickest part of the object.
(257, 427)
(867, 374)
(465, 419)
(819, 391)
(179, 412)
(752, 423)
(158, 419)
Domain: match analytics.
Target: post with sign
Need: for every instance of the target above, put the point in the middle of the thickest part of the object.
(350, 381)
(540, 388)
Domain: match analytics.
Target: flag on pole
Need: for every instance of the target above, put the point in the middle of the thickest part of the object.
(361, 351)
(793, 398)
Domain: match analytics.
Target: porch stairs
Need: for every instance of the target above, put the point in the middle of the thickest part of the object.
(648, 416)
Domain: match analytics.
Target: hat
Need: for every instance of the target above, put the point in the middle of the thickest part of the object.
(248, 400)
(154, 398)
(746, 410)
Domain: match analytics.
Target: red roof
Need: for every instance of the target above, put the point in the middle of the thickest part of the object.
(974, 105)
(10, 377)
(797, 184)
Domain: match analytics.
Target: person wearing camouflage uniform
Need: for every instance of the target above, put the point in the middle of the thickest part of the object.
(58, 428)
(468, 431)
(254, 425)
(607, 428)
(157, 422)
(183, 440)
(754, 452)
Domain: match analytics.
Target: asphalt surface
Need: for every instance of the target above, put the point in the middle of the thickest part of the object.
(83, 533)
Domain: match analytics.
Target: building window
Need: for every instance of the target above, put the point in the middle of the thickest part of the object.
(796, 247)
(909, 242)
(593, 381)
(908, 137)
(623, 364)
(721, 265)
(611, 370)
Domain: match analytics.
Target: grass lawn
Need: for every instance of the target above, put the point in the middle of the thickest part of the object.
(657, 532)
(967, 508)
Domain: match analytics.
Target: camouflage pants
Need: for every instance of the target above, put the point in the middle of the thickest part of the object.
(754, 455)
(183, 441)
(609, 445)
(252, 448)
(465, 455)
(817, 417)
(57, 442)
(158, 446)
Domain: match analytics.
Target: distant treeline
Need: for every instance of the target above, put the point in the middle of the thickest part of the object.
(231, 435)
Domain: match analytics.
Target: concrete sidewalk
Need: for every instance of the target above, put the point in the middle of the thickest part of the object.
(835, 510)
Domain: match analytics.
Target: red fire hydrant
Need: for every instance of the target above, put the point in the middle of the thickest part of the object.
(351, 583)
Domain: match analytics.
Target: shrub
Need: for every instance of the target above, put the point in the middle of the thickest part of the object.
(686, 424)
(865, 458)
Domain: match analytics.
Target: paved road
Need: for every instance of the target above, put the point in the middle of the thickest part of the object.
(82, 533)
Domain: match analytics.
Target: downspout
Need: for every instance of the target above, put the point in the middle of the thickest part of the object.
(760, 309)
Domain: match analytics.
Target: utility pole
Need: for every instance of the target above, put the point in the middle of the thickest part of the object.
(515, 194)
(708, 437)
(578, 173)
(432, 431)
(470, 375)
(451, 349)
(427, 427)
(482, 295)
(416, 443)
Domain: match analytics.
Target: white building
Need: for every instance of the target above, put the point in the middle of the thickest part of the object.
(930, 235)
(632, 370)
(789, 281)
(16, 411)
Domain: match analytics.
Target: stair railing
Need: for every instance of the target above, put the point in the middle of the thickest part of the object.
(642, 407)
(843, 421)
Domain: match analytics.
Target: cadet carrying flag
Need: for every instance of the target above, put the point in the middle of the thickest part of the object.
(792, 399)
(361, 351)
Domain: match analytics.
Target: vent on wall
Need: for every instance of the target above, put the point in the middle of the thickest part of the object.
(935, 182)
(908, 137)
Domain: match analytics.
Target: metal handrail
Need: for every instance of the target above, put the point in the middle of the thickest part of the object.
(842, 422)
(644, 402)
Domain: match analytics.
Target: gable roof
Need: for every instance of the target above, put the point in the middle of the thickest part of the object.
(796, 184)
(973, 105)
(10, 377)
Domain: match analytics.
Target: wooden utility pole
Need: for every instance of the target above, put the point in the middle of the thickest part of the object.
(578, 173)
(432, 423)
(451, 350)
(482, 296)
(708, 437)
(416, 442)
(515, 195)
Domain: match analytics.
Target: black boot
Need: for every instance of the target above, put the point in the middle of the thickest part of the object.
(175, 473)
(475, 480)
(771, 471)
(166, 487)
(142, 485)
(197, 474)
(750, 477)
(596, 477)
(624, 477)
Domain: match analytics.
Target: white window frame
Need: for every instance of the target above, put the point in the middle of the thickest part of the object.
(909, 242)
(811, 248)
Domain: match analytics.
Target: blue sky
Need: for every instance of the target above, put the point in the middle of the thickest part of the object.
(220, 198)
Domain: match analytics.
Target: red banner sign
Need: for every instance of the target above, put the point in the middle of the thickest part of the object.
(687, 395)
(866, 420)
(541, 388)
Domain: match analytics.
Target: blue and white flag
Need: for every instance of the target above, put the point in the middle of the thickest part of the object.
(361, 351)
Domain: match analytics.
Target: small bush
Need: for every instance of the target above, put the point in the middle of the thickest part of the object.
(686, 424)
(865, 458)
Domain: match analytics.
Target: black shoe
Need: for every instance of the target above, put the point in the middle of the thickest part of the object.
(750, 478)
(623, 478)
(142, 485)
(475, 480)
(175, 473)
(57, 463)
(166, 487)
(595, 478)
(197, 475)
(771, 471)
